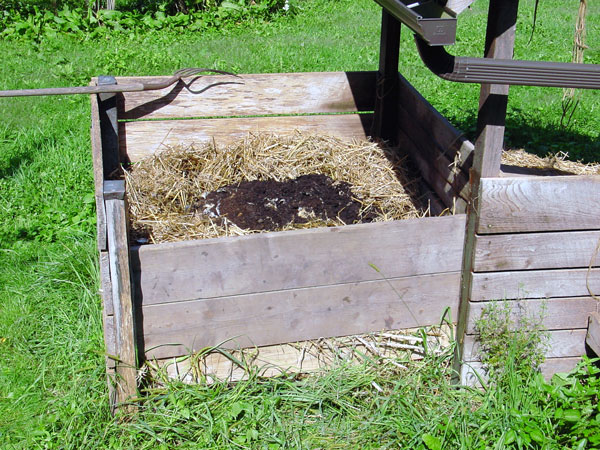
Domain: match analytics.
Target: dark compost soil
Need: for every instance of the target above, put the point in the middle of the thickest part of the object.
(270, 205)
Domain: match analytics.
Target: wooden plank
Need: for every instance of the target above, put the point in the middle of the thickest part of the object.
(142, 139)
(536, 251)
(535, 284)
(386, 99)
(557, 313)
(425, 148)
(431, 177)
(548, 368)
(295, 259)
(592, 338)
(511, 205)
(560, 344)
(299, 314)
(98, 167)
(429, 119)
(122, 299)
(258, 94)
(105, 284)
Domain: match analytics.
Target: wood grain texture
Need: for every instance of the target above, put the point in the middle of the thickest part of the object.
(105, 284)
(560, 344)
(98, 168)
(470, 371)
(432, 178)
(259, 94)
(557, 313)
(118, 249)
(535, 284)
(536, 251)
(143, 139)
(295, 259)
(427, 118)
(299, 314)
(530, 204)
(592, 338)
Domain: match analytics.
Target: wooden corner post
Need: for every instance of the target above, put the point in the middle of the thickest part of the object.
(386, 92)
(493, 100)
(117, 299)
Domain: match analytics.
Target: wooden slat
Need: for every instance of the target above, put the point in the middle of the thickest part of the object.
(105, 284)
(294, 259)
(560, 344)
(592, 338)
(142, 139)
(548, 368)
(98, 167)
(429, 119)
(510, 205)
(535, 284)
(557, 313)
(259, 94)
(298, 314)
(427, 171)
(536, 251)
(122, 298)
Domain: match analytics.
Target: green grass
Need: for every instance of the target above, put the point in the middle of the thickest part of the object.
(52, 381)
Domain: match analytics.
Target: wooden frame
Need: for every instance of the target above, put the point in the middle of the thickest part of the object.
(163, 301)
(269, 288)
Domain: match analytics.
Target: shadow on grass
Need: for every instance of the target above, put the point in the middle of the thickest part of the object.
(523, 131)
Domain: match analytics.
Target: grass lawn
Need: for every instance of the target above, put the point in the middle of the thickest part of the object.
(52, 383)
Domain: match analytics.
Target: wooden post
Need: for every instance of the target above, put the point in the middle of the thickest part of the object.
(118, 251)
(499, 43)
(386, 100)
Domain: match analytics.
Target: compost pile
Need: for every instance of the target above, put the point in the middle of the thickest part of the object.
(265, 183)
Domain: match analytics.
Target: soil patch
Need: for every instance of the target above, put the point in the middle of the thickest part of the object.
(266, 182)
(271, 205)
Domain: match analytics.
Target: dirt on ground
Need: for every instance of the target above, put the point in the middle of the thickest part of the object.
(270, 205)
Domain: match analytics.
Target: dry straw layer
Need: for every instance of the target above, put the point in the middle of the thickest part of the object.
(163, 188)
(550, 165)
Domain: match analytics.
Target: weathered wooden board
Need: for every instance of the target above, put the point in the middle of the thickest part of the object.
(548, 368)
(259, 94)
(105, 284)
(428, 118)
(425, 146)
(536, 251)
(510, 205)
(535, 284)
(557, 313)
(294, 259)
(98, 167)
(434, 180)
(122, 298)
(144, 138)
(299, 314)
(560, 344)
(592, 338)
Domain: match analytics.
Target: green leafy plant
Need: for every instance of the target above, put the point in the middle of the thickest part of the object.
(508, 342)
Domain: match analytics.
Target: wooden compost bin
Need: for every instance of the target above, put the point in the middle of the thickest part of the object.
(172, 299)
(530, 240)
